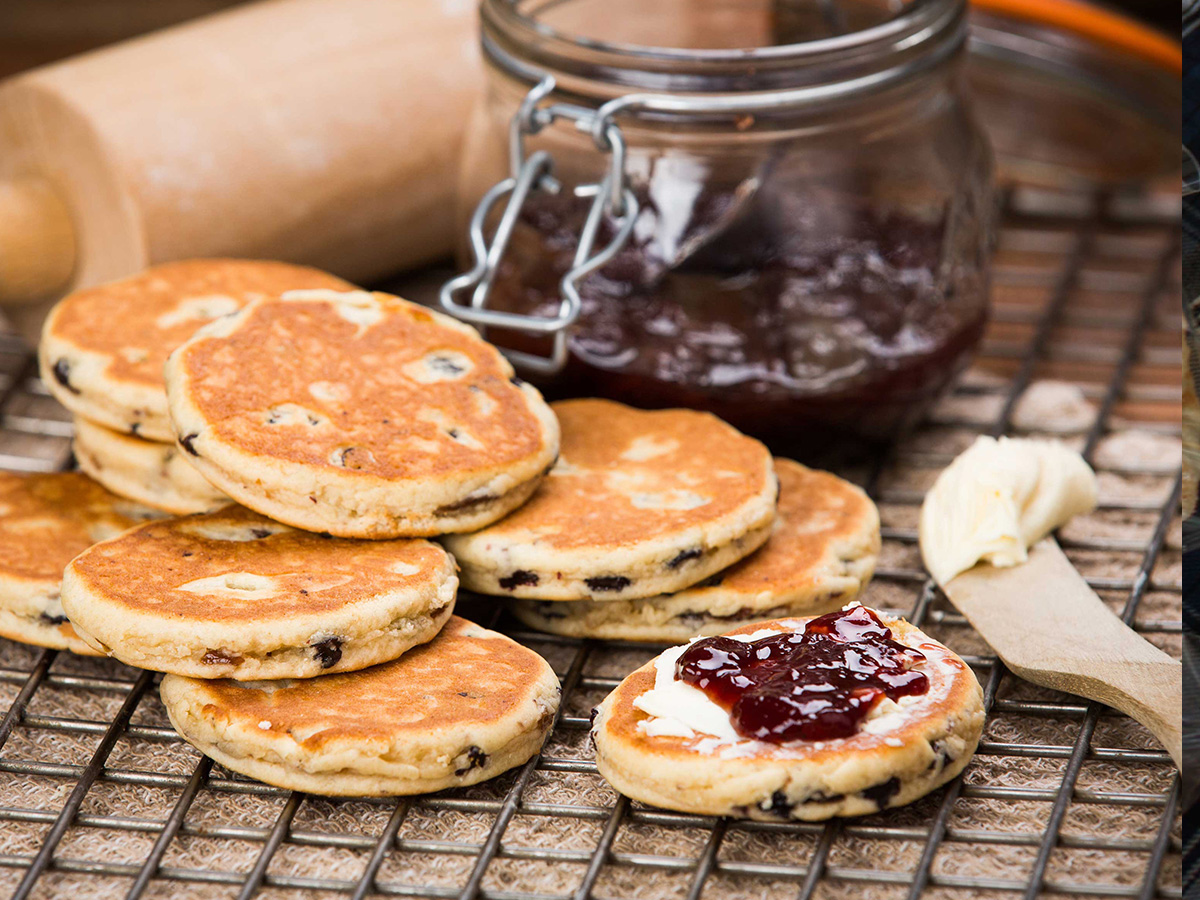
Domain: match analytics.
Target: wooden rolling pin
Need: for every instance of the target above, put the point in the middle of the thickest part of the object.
(317, 131)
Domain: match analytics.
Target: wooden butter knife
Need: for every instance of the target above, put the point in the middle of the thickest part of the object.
(1050, 628)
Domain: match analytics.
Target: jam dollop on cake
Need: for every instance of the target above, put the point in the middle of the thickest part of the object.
(819, 684)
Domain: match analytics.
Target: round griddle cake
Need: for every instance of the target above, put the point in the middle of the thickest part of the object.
(359, 414)
(640, 503)
(463, 708)
(231, 594)
(149, 472)
(820, 556)
(45, 520)
(103, 348)
(915, 746)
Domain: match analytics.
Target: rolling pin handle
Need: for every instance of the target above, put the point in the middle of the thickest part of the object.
(37, 241)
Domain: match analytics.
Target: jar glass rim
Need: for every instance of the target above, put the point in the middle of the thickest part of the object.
(922, 27)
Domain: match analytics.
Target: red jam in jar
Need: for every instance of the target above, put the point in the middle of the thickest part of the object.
(784, 327)
(815, 685)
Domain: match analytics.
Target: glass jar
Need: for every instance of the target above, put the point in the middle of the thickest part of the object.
(786, 207)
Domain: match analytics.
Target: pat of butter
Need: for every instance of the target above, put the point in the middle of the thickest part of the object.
(999, 498)
(679, 709)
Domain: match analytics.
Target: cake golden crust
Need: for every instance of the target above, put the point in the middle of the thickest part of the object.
(460, 709)
(640, 503)
(359, 414)
(820, 556)
(231, 594)
(103, 348)
(45, 520)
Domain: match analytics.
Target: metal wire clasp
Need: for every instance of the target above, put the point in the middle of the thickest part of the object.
(610, 196)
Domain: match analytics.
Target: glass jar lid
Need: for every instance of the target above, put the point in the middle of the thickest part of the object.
(599, 49)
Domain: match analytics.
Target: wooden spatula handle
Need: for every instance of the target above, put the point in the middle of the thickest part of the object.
(1050, 628)
(37, 241)
(1158, 706)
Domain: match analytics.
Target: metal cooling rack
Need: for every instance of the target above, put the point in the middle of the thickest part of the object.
(98, 796)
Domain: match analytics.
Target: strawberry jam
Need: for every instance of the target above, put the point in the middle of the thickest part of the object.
(814, 685)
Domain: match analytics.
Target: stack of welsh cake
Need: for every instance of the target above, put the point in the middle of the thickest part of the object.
(307, 630)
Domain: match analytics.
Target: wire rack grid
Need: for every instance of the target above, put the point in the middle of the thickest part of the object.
(98, 796)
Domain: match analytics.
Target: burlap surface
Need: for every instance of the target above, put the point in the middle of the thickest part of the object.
(548, 843)
(995, 825)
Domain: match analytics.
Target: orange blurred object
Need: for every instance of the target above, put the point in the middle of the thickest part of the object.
(1096, 24)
